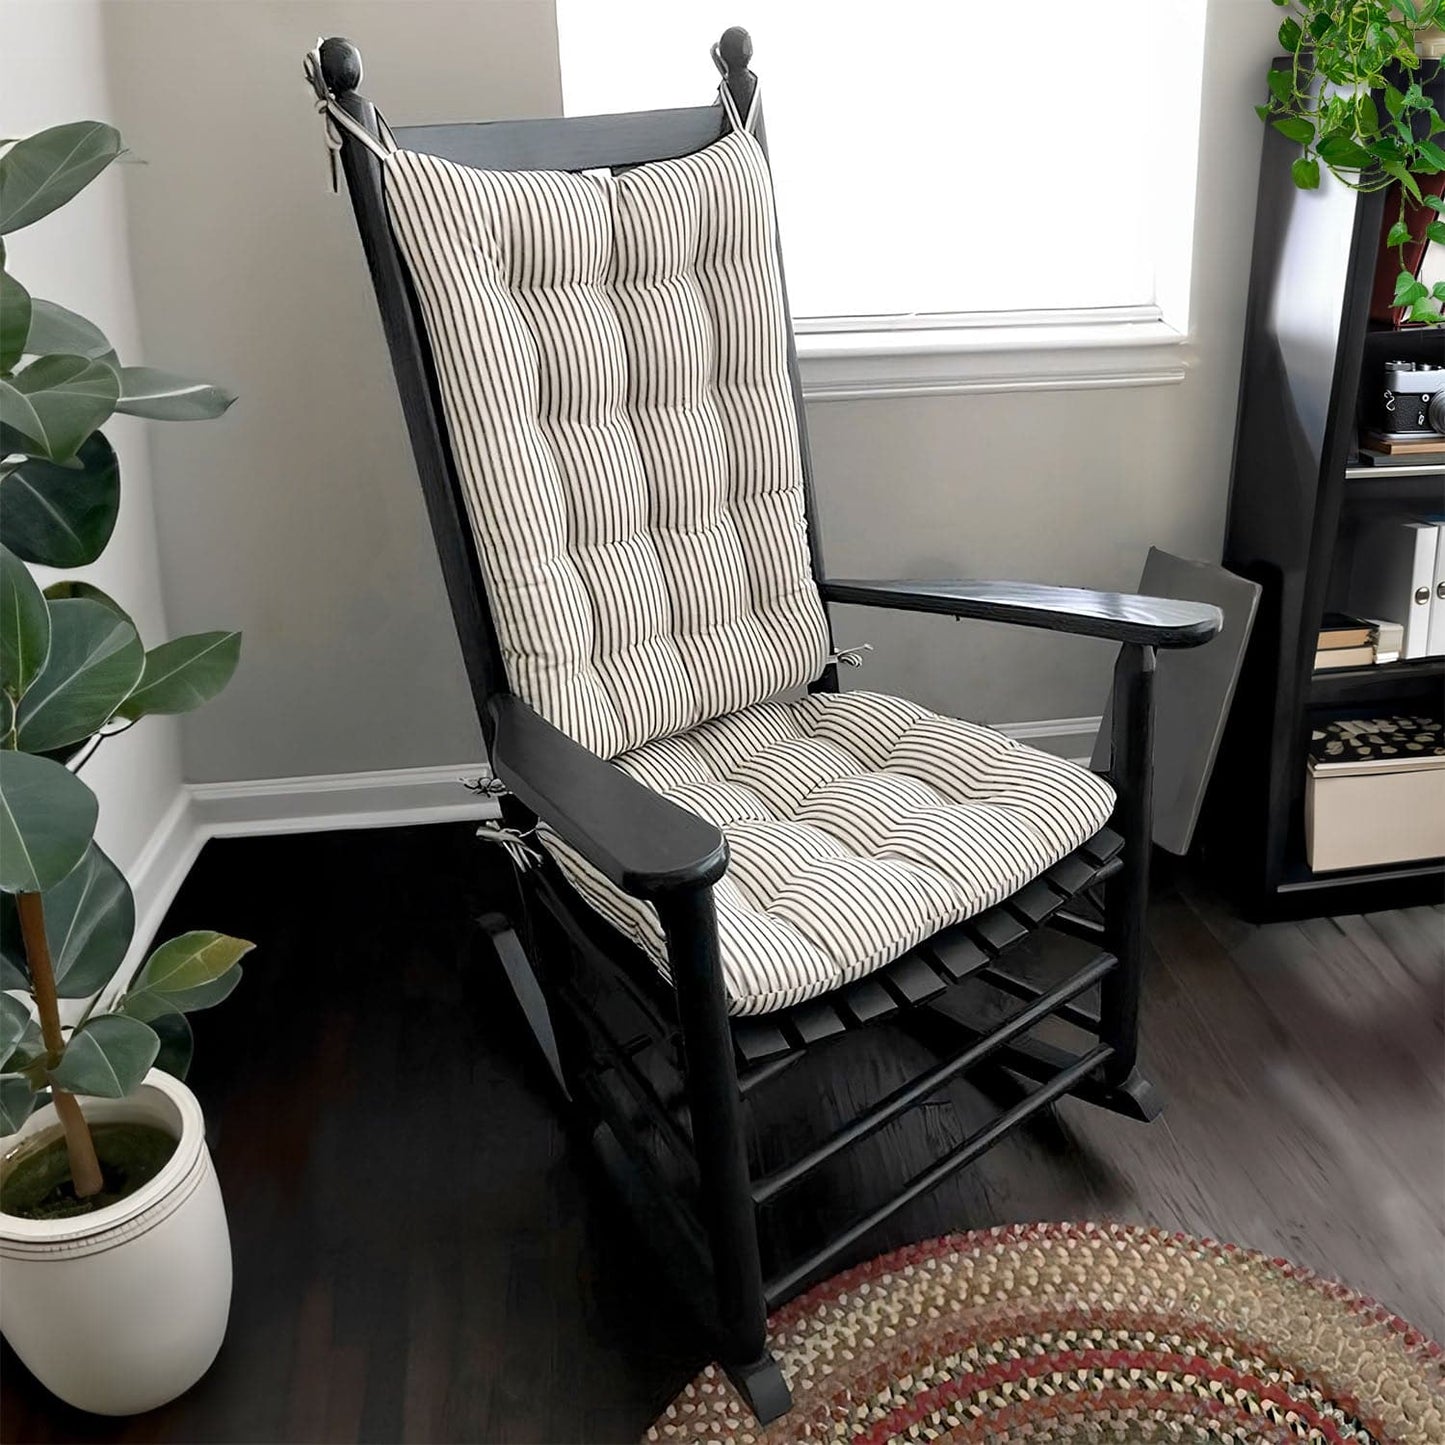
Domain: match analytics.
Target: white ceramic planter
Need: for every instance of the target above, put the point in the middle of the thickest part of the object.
(124, 1309)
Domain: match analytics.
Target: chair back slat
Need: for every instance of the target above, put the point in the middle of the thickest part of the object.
(574, 143)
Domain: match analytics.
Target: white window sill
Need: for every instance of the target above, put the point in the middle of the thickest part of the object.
(1019, 355)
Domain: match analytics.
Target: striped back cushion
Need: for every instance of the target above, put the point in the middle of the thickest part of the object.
(612, 359)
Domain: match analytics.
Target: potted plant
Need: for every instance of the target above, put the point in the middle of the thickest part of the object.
(1342, 54)
(116, 1258)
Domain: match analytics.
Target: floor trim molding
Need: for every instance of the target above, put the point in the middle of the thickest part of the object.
(1079, 734)
(391, 798)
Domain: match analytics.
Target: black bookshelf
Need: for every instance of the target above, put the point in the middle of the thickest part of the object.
(1312, 360)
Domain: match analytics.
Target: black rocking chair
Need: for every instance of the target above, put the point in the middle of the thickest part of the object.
(663, 993)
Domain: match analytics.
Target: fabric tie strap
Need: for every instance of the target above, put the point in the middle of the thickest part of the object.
(337, 120)
(725, 95)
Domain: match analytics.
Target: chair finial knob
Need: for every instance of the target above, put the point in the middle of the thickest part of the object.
(736, 50)
(340, 65)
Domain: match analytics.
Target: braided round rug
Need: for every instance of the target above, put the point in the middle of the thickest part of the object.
(1082, 1332)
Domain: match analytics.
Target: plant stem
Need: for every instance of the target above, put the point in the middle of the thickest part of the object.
(84, 1166)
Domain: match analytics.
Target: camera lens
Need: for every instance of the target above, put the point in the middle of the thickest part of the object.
(1435, 413)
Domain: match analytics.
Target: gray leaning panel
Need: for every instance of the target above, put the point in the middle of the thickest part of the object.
(1191, 694)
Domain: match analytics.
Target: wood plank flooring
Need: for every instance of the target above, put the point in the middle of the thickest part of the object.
(423, 1254)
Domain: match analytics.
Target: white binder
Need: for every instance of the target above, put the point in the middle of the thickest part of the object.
(1435, 639)
(1394, 577)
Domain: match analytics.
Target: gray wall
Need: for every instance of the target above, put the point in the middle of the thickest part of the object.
(298, 519)
(302, 522)
(52, 70)
(1066, 486)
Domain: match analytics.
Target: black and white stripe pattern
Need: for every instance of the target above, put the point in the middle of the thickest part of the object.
(857, 826)
(611, 353)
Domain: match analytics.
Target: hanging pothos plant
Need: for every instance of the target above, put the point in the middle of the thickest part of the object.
(1343, 54)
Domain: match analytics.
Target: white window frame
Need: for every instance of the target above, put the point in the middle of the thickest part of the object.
(843, 358)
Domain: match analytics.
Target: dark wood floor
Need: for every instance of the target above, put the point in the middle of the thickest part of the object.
(421, 1254)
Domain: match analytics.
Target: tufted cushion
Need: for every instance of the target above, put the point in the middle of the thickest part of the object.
(611, 353)
(857, 826)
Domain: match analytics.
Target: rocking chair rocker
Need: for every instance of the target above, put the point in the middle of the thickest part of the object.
(599, 379)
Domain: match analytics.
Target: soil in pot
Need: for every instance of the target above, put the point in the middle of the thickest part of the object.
(35, 1180)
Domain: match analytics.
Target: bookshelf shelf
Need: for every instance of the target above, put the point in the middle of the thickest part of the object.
(1299, 503)
(1398, 681)
(1434, 473)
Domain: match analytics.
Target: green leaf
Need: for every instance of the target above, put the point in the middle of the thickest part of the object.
(1296, 129)
(1424, 310)
(1281, 86)
(15, 309)
(1436, 204)
(149, 1004)
(1436, 231)
(54, 330)
(1438, 290)
(178, 1044)
(162, 396)
(17, 1099)
(1398, 171)
(1432, 155)
(7, 723)
(191, 960)
(57, 401)
(62, 516)
(95, 661)
(25, 626)
(1394, 101)
(1407, 289)
(107, 1056)
(1399, 235)
(15, 1022)
(1340, 152)
(1367, 115)
(68, 589)
(45, 170)
(89, 920)
(1291, 37)
(183, 673)
(1305, 173)
(1262, 111)
(47, 816)
(1409, 8)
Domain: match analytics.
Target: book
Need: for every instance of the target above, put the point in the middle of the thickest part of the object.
(1389, 639)
(1393, 576)
(1403, 446)
(1425, 461)
(1381, 743)
(1339, 629)
(1329, 658)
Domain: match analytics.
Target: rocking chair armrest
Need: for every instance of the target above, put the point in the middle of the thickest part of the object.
(1115, 616)
(645, 844)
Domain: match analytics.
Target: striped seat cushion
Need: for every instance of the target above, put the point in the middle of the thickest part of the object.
(611, 353)
(857, 826)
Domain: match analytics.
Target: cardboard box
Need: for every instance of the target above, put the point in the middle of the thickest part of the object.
(1375, 793)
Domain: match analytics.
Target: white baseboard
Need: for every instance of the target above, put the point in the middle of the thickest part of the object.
(201, 811)
(1068, 737)
(388, 799)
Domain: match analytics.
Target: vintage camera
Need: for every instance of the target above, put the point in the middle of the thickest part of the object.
(1414, 400)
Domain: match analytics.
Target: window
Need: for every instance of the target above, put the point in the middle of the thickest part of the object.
(942, 167)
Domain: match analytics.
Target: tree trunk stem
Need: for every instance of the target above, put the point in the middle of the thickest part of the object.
(84, 1166)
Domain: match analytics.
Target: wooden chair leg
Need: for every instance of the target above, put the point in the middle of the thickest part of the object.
(689, 923)
(1126, 895)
